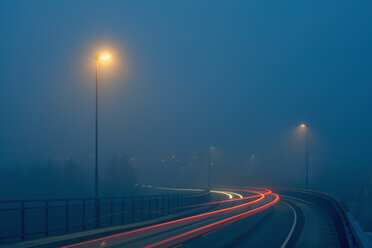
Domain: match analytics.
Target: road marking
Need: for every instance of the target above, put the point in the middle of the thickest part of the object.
(178, 246)
(292, 228)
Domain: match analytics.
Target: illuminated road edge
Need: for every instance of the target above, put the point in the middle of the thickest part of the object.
(258, 197)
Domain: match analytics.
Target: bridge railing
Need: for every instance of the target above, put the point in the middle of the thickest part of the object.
(349, 235)
(29, 219)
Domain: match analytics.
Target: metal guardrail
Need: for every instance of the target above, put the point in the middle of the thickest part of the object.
(348, 233)
(27, 219)
(360, 236)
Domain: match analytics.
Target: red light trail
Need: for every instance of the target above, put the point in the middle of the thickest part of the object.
(260, 194)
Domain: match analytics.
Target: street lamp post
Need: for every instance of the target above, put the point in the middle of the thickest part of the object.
(253, 169)
(307, 154)
(101, 58)
(96, 154)
(211, 149)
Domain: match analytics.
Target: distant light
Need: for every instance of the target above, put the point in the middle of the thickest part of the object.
(303, 125)
(212, 147)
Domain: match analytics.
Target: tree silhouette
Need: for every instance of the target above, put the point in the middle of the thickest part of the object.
(118, 176)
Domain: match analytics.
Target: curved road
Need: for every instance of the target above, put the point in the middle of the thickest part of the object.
(251, 217)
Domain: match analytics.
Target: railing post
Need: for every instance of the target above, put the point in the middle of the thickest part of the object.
(112, 211)
(22, 220)
(174, 197)
(175, 203)
(46, 218)
(83, 214)
(122, 210)
(98, 212)
(157, 205)
(133, 206)
(178, 202)
(169, 204)
(149, 212)
(66, 216)
(141, 207)
(163, 204)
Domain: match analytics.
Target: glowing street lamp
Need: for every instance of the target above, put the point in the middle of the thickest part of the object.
(105, 57)
(304, 127)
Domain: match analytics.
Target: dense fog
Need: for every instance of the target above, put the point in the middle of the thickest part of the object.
(239, 76)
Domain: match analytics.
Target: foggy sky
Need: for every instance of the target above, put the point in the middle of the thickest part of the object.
(239, 75)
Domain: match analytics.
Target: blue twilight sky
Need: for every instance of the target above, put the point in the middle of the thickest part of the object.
(240, 75)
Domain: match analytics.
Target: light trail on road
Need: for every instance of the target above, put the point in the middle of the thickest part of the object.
(211, 227)
(258, 198)
(230, 194)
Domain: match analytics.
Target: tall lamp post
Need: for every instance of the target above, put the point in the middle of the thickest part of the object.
(304, 126)
(211, 149)
(100, 58)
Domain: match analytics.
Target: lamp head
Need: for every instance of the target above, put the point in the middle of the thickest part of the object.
(103, 57)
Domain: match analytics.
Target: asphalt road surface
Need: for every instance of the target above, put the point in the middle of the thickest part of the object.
(251, 218)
